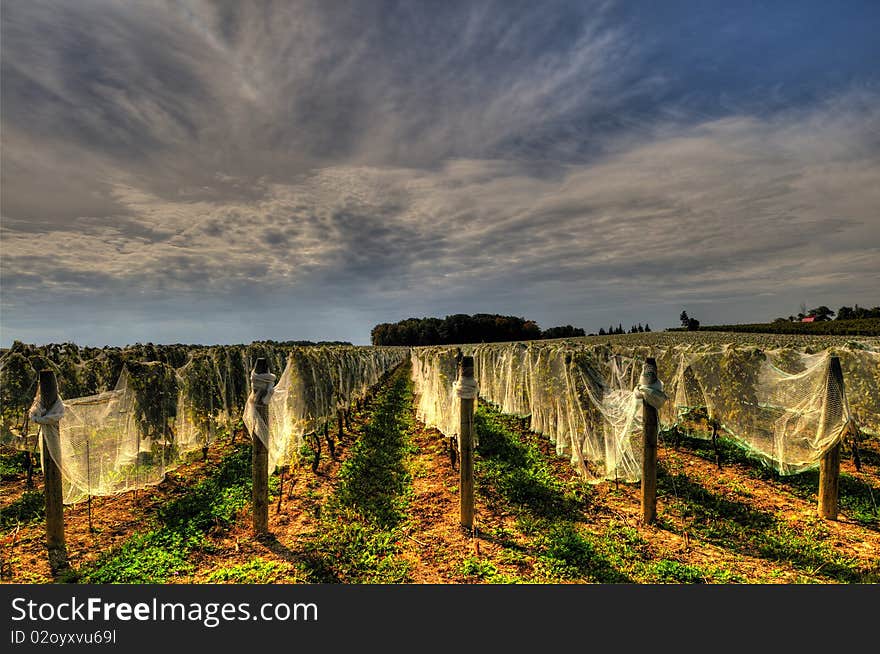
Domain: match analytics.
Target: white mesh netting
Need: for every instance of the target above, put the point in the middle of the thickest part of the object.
(129, 437)
(98, 445)
(315, 383)
(439, 390)
(434, 372)
(783, 405)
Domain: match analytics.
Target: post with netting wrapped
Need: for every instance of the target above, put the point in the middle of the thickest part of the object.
(260, 453)
(650, 391)
(47, 414)
(466, 389)
(829, 464)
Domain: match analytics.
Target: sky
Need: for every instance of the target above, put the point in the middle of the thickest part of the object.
(223, 172)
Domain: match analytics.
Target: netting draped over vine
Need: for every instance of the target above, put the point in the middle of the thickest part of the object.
(781, 404)
(314, 384)
(440, 391)
(99, 447)
(434, 372)
(129, 437)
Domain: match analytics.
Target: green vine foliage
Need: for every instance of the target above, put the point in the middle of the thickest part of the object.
(202, 388)
(155, 386)
(18, 384)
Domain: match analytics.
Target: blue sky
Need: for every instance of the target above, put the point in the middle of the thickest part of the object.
(225, 172)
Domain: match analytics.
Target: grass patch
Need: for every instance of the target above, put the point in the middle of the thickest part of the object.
(666, 571)
(478, 568)
(515, 476)
(155, 556)
(513, 473)
(808, 552)
(12, 464)
(257, 571)
(361, 524)
(560, 546)
(568, 554)
(354, 552)
(147, 558)
(30, 507)
(739, 527)
(858, 499)
(475, 569)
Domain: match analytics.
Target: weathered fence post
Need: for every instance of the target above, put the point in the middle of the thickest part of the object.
(649, 447)
(52, 478)
(260, 461)
(829, 464)
(466, 441)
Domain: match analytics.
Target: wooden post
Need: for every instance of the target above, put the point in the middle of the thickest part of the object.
(260, 461)
(52, 489)
(466, 445)
(649, 447)
(829, 464)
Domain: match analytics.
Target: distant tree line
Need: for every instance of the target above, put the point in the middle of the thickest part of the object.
(565, 331)
(850, 321)
(463, 328)
(823, 313)
(303, 343)
(635, 329)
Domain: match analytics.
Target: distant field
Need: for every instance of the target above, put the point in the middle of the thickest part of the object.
(746, 338)
(860, 327)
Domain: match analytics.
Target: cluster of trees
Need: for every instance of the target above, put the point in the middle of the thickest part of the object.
(688, 323)
(635, 329)
(565, 331)
(857, 313)
(823, 313)
(462, 328)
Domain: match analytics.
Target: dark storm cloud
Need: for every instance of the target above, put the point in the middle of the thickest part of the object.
(231, 171)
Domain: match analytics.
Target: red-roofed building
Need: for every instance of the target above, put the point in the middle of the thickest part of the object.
(809, 319)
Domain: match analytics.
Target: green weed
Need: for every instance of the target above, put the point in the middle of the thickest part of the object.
(12, 465)
(666, 571)
(257, 571)
(480, 568)
(30, 507)
(361, 524)
(180, 527)
(737, 526)
(147, 558)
